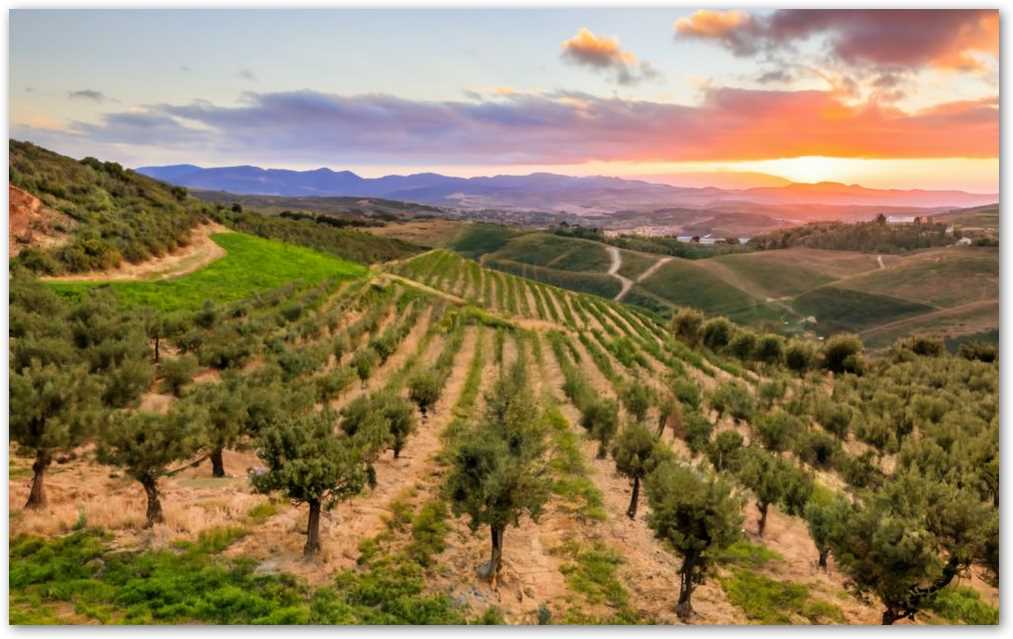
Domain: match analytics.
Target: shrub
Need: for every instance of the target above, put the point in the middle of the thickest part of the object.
(770, 349)
(777, 430)
(686, 325)
(698, 431)
(816, 448)
(743, 345)
(842, 354)
(725, 452)
(177, 372)
(799, 356)
(717, 332)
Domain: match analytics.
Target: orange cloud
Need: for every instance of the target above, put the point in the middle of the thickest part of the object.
(902, 38)
(604, 53)
(706, 23)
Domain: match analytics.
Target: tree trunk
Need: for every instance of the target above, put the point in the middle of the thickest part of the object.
(602, 451)
(685, 607)
(490, 571)
(313, 531)
(37, 497)
(823, 558)
(217, 463)
(661, 425)
(762, 507)
(154, 513)
(889, 616)
(631, 512)
(397, 451)
(156, 349)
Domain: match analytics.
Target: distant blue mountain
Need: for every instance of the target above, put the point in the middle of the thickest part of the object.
(540, 191)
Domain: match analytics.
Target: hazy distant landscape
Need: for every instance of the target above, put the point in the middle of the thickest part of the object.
(706, 333)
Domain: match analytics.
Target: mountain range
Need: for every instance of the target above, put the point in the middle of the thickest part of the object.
(548, 191)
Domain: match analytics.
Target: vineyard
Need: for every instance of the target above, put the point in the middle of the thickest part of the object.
(439, 442)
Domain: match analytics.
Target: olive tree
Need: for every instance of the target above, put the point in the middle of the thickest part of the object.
(424, 389)
(637, 452)
(697, 515)
(686, 324)
(227, 416)
(498, 470)
(52, 408)
(909, 540)
(144, 444)
(601, 420)
(825, 519)
(311, 463)
(637, 399)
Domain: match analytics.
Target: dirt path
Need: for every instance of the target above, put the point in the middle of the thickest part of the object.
(617, 263)
(200, 252)
(654, 268)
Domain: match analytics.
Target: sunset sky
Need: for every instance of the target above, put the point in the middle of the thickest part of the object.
(905, 99)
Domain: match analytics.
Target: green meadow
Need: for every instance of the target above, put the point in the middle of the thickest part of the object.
(252, 264)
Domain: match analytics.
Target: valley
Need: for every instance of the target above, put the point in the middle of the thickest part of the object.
(384, 377)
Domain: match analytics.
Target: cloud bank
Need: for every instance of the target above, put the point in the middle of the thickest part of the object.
(900, 39)
(542, 128)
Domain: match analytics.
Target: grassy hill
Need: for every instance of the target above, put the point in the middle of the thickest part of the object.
(251, 265)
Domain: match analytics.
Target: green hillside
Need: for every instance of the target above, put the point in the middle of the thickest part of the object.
(251, 265)
(120, 214)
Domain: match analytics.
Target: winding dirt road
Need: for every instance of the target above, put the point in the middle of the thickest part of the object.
(617, 263)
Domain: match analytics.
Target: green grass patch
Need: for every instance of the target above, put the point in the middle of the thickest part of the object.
(772, 602)
(960, 604)
(253, 264)
(746, 554)
(480, 238)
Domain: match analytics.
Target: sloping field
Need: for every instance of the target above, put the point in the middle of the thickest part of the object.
(965, 320)
(477, 239)
(945, 277)
(686, 283)
(251, 264)
(841, 309)
(769, 273)
(554, 251)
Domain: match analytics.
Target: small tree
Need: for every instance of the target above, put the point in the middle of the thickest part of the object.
(799, 356)
(364, 361)
(601, 420)
(497, 471)
(145, 444)
(842, 354)
(424, 389)
(777, 430)
(698, 431)
(762, 473)
(686, 324)
(177, 372)
(400, 418)
(226, 409)
(717, 332)
(637, 452)
(743, 345)
(697, 515)
(770, 349)
(52, 408)
(725, 452)
(637, 399)
(825, 518)
(670, 416)
(908, 541)
(311, 464)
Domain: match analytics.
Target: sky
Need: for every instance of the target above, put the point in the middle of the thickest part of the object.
(734, 98)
